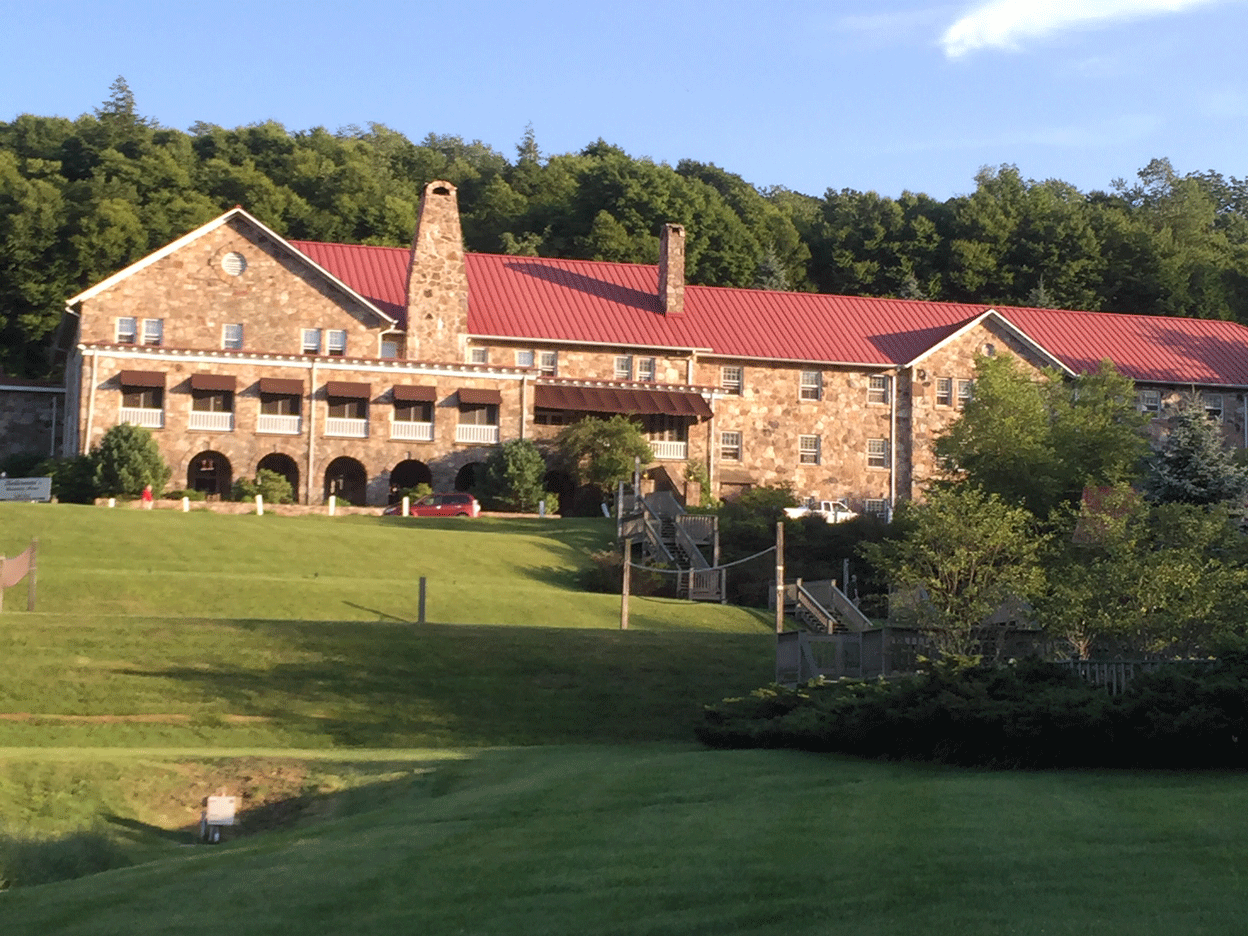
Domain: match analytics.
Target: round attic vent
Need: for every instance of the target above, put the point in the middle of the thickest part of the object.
(234, 263)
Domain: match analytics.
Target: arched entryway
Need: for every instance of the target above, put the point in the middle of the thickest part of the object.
(406, 475)
(210, 473)
(286, 467)
(469, 476)
(561, 483)
(346, 479)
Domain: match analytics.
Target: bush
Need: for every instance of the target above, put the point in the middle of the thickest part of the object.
(605, 574)
(273, 487)
(514, 477)
(23, 465)
(1027, 715)
(73, 479)
(126, 460)
(186, 492)
(417, 492)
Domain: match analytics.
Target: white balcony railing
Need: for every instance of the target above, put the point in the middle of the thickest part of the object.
(345, 427)
(147, 418)
(412, 431)
(481, 435)
(281, 425)
(215, 422)
(670, 451)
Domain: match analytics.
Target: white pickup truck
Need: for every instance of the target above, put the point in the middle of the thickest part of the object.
(832, 511)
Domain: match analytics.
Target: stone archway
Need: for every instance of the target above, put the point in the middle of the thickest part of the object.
(286, 466)
(469, 476)
(562, 484)
(406, 475)
(210, 472)
(346, 479)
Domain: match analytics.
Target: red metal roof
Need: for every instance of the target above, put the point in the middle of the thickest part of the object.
(617, 304)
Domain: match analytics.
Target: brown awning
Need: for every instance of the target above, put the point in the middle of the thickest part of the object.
(354, 391)
(416, 394)
(479, 397)
(141, 378)
(618, 400)
(281, 386)
(212, 382)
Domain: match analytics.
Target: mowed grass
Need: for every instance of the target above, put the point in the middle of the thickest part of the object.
(517, 765)
(657, 840)
(97, 562)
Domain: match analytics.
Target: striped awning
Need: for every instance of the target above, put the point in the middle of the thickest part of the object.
(621, 400)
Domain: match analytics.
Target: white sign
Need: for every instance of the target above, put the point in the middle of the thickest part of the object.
(25, 489)
(220, 810)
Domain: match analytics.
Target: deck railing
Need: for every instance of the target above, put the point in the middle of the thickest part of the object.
(670, 451)
(479, 435)
(279, 425)
(213, 422)
(139, 416)
(412, 431)
(346, 428)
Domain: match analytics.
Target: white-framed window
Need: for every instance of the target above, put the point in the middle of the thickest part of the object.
(548, 363)
(310, 340)
(153, 331)
(1148, 401)
(731, 379)
(811, 385)
(944, 391)
(876, 507)
(478, 355)
(127, 330)
(877, 389)
(336, 342)
(730, 446)
(624, 367)
(966, 390)
(645, 369)
(525, 358)
(232, 337)
(1213, 405)
(808, 449)
(389, 349)
(877, 453)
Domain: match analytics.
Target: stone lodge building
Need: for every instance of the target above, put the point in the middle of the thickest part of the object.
(360, 371)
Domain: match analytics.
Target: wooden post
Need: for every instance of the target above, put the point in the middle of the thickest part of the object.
(628, 565)
(32, 575)
(1, 583)
(421, 613)
(779, 576)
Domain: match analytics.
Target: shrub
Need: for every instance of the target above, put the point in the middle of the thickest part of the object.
(273, 487)
(23, 465)
(1030, 715)
(605, 574)
(417, 492)
(186, 492)
(513, 478)
(73, 479)
(126, 460)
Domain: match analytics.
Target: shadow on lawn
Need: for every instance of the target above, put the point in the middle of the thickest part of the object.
(438, 685)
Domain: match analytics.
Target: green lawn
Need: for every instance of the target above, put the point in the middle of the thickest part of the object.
(517, 765)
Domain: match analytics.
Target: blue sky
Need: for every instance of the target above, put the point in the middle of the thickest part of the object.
(887, 95)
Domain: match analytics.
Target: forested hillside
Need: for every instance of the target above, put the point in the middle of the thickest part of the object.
(79, 199)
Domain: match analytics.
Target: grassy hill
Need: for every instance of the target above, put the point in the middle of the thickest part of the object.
(517, 765)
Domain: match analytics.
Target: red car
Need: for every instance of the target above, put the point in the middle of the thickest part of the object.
(439, 505)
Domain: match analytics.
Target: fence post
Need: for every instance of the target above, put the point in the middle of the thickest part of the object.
(421, 614)
(407, 504)
(779, 576)
(259, 505)
(333, 500)
(628, 565)
(32, 575)
(1, 583)
(186, 505)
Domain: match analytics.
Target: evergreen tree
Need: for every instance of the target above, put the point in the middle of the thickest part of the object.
(1193, 466)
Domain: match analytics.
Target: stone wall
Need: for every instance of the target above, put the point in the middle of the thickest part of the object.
(30, 419)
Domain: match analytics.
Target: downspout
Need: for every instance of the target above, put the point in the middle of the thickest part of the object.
(85, 445)
(311, 430)
(892, 444)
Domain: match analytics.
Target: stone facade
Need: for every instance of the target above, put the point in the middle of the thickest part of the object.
(232, 307)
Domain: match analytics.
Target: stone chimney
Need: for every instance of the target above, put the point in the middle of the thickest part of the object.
(437, 280)
(672, 269)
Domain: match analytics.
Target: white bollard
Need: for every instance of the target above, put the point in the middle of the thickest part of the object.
(333, 501)
(259, 505)
(112, 502)
(407, 505)
(186, 505)
(541, 508)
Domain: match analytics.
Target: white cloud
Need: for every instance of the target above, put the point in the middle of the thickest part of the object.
(1004, 24)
